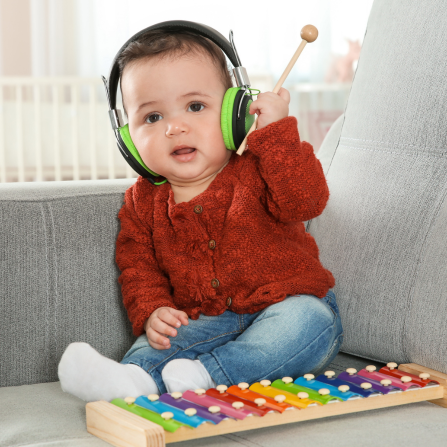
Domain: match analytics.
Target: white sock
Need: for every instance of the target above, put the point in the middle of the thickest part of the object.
(87, 374)
(183, 374)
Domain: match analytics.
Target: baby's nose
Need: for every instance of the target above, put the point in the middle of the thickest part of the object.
(176, 129)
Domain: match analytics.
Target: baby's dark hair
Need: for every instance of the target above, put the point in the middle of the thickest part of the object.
(161, 43)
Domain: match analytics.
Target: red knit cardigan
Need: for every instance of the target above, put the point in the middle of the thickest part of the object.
(240, 245)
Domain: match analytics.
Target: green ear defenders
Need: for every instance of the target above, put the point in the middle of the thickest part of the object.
(235, 119)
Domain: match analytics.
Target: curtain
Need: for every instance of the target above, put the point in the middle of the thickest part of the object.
(81, 37)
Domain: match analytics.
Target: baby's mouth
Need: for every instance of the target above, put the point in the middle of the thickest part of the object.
(183, 153)
(184, 150)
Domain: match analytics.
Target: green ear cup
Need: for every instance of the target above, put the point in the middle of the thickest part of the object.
(125, 136)
(226, 117)
(233, 128)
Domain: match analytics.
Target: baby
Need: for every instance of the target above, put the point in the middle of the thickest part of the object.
(219, 278)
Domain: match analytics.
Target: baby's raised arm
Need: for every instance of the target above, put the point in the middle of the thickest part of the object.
(294, 186)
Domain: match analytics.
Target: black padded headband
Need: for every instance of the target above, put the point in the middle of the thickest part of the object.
(171, 25)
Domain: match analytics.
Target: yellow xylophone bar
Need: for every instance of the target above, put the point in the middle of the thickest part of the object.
(124, 429)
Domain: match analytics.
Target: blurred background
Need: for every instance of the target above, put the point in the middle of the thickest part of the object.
(54, 123)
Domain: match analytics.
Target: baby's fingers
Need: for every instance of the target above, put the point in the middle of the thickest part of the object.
(178, 317)
(254, 108)
(162, 328)
(168, 315)
(284, 94)
(156, 340)
(183, 316)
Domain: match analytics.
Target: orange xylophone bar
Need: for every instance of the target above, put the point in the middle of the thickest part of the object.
(240, 407)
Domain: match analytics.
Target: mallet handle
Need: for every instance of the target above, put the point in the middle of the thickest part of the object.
(289, 67)
(309, 34)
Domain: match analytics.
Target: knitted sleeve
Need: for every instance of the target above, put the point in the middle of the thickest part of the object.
(296, 185)
(144, 287)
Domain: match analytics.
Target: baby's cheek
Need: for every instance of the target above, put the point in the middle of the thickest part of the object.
(213, 133)
(152, 150)
(218, 137)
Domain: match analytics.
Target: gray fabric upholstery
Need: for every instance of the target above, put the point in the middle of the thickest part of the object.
(52, 416)
(329, 145)
(327, 151)
(383, 233)
(58, 275)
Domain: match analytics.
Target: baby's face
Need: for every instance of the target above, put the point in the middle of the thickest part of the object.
(173, 107)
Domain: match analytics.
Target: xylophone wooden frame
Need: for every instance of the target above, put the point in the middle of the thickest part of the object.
(124, 429)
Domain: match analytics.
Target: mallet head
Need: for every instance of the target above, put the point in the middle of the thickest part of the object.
(309, 33)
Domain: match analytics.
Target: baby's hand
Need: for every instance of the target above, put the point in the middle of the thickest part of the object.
(162, 321)
(271, 107)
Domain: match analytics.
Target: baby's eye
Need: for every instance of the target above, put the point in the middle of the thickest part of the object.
(153, 118)
(196, 107)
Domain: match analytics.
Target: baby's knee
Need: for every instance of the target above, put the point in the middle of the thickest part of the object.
(305, 309)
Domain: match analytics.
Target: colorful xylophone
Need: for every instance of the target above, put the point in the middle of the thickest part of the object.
(153, 421)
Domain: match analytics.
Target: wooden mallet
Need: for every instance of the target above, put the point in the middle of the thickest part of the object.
(309, 34)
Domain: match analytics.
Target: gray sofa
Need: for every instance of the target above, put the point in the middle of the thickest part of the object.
(383, 235)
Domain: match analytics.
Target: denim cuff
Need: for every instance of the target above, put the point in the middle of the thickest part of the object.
(214, 369)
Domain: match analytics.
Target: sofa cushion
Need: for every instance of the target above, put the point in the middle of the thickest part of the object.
(41, 415)
(383, 233)
(58, 275)
(330, 143)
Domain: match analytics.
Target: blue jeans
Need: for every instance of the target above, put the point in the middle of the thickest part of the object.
(299, 335)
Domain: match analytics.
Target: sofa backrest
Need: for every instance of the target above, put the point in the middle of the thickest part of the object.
(383, 233)
(58, 276)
